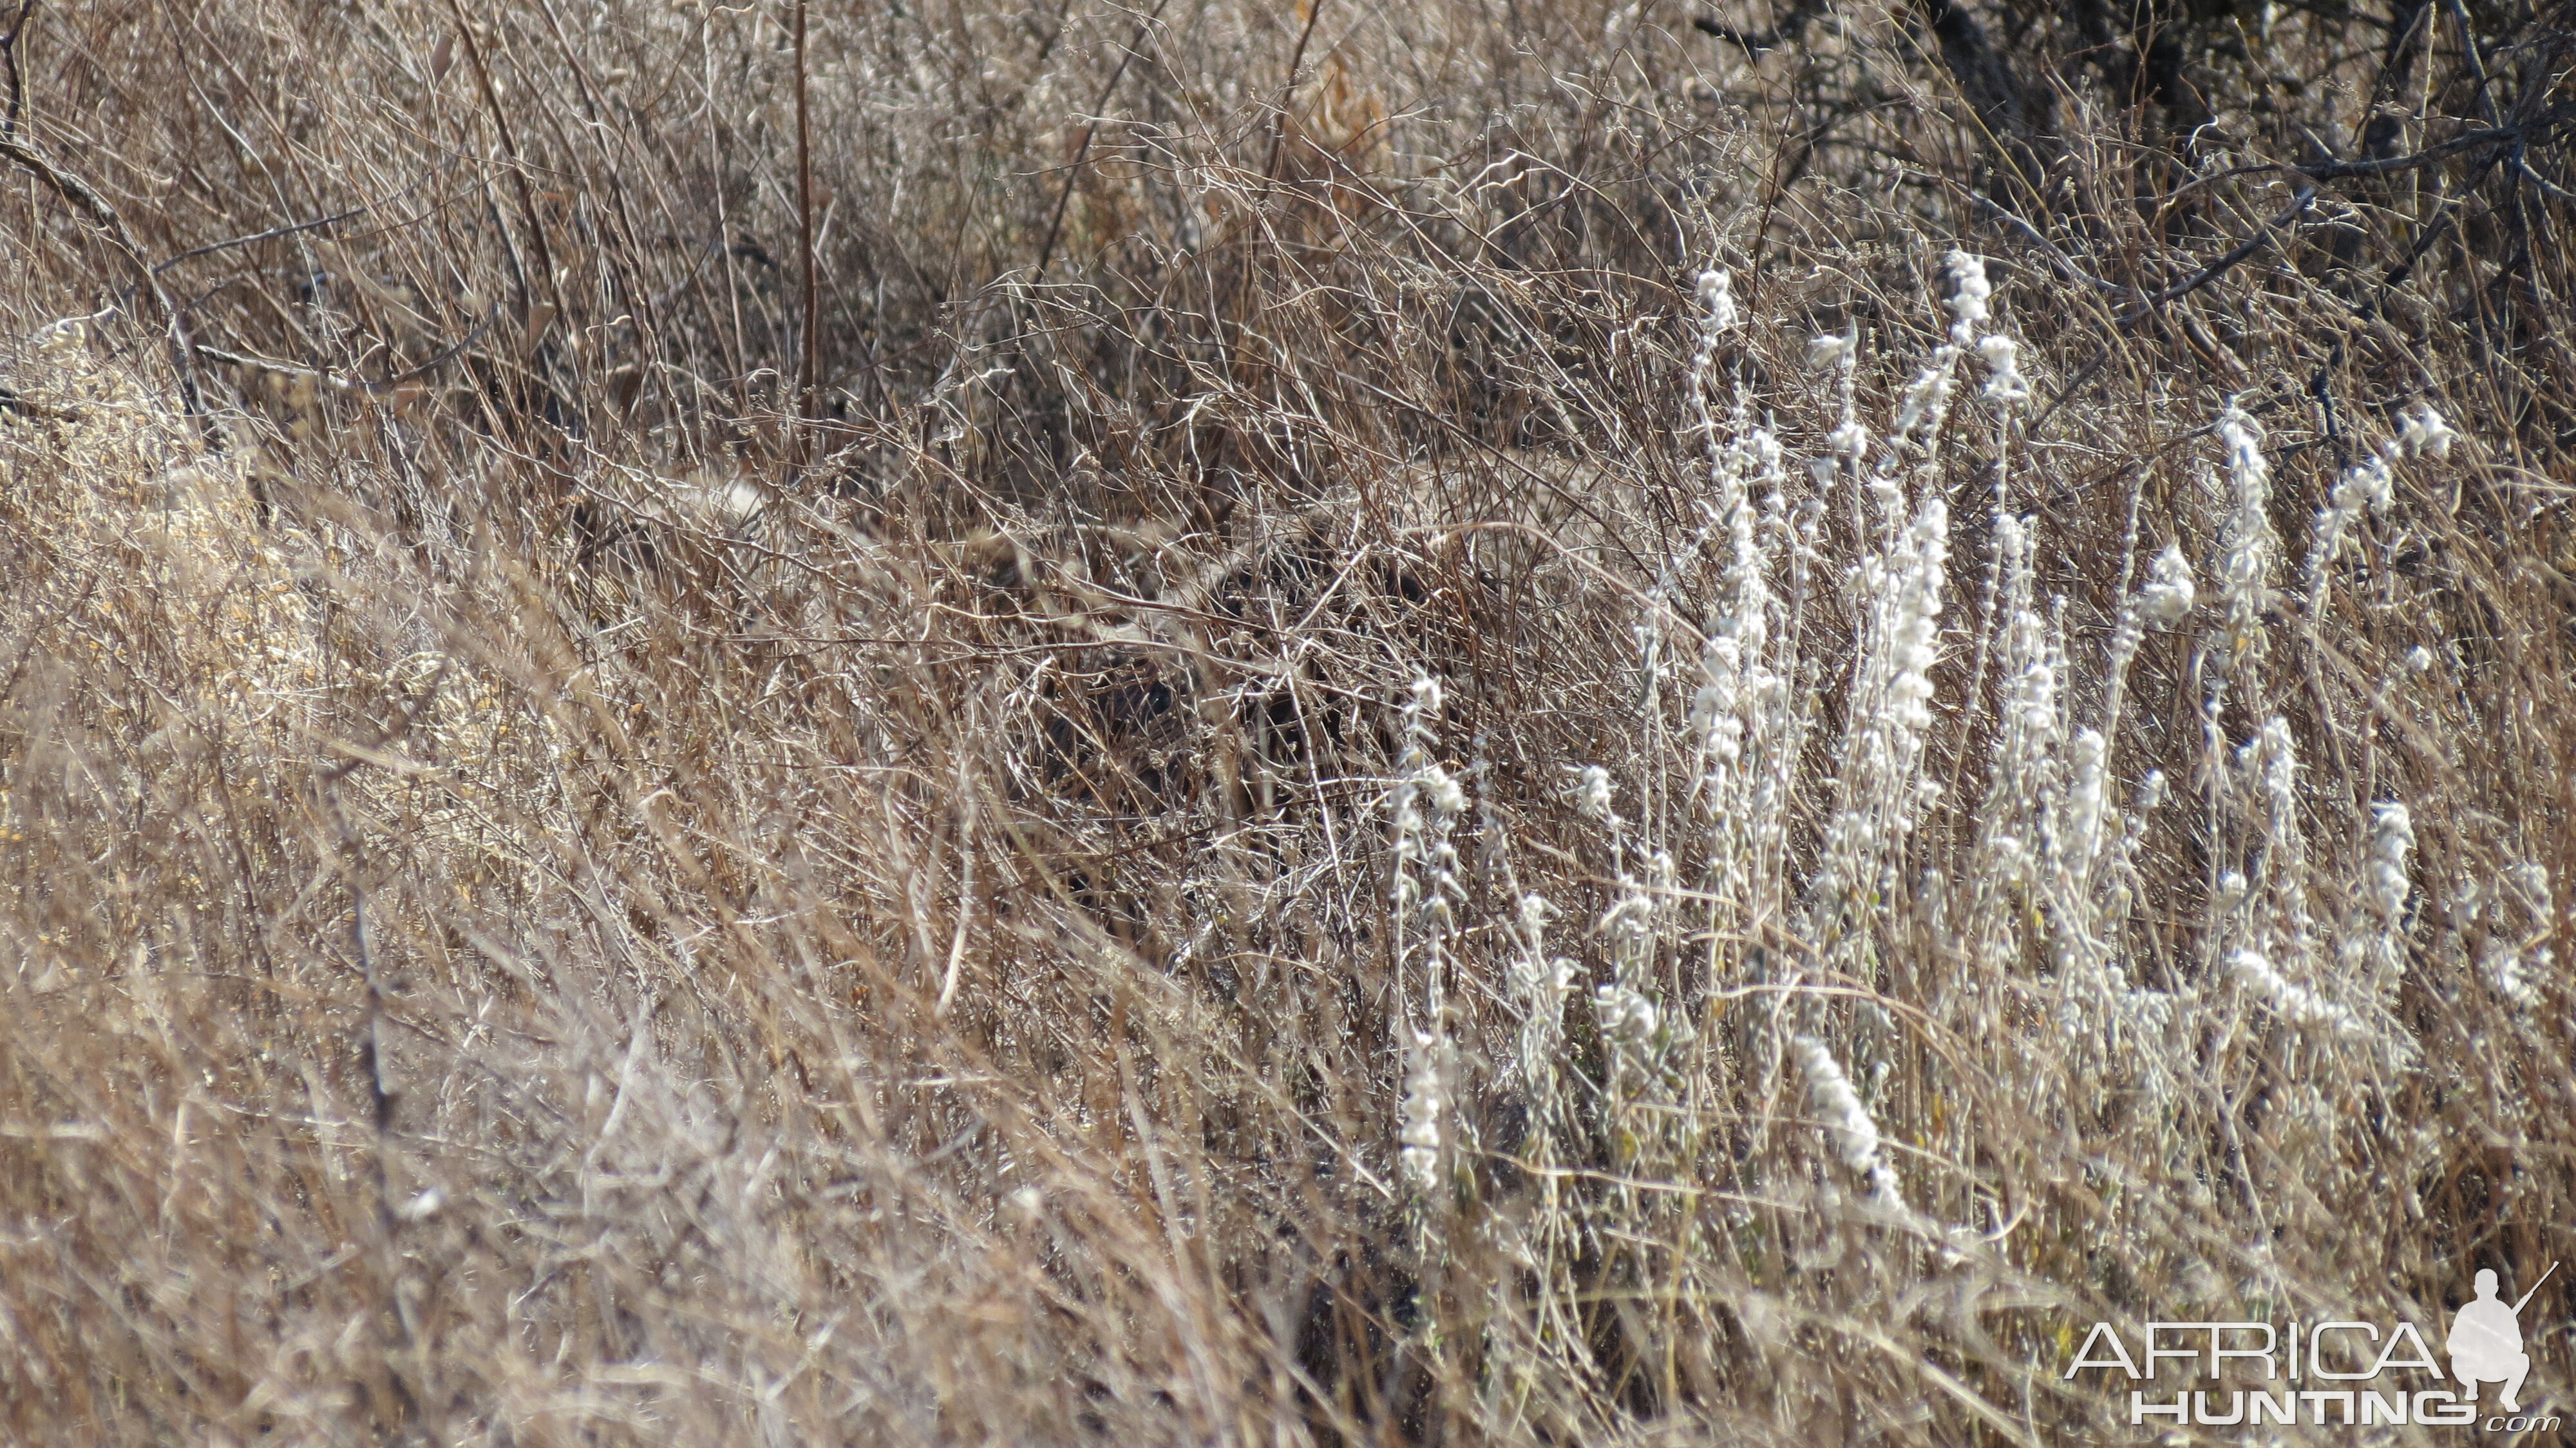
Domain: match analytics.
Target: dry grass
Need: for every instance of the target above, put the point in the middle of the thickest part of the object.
(547, 901)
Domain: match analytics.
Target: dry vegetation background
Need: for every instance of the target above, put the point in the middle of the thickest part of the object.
(1259, 775)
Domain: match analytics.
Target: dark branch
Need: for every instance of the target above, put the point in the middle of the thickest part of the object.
(272, 234)
(84, 198)
(1751, 42)
(2212, 272)
(9, 63)
(2013, 114)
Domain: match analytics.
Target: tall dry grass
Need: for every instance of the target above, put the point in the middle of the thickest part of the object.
(1465, 723)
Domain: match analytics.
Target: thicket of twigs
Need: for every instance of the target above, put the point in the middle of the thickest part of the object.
(1546, 723)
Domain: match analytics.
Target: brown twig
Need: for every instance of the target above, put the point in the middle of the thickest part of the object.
(338, 381)
(518, 169)
(2345, 170)
(1082, 152)
(273, 233)
(809, 361)
(371, 1046)
(1288, 92)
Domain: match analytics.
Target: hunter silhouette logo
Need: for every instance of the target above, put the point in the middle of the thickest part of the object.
(2486, 1342)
